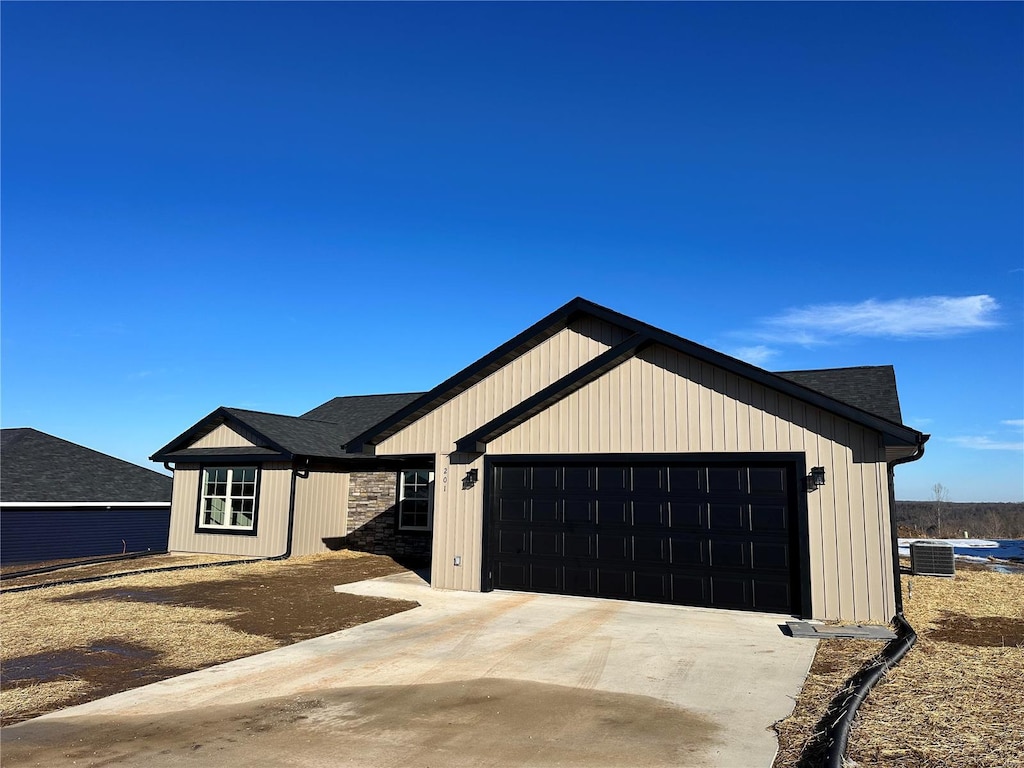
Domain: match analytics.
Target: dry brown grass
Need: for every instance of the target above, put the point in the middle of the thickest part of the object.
(954, 701)
(44, 621)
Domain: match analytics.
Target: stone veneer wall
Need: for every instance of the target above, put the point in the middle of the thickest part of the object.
(372, 522)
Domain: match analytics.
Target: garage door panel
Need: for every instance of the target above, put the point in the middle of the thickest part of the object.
(546, 577)
(771, 596)
(646, 479)
(652, 587)
(768, 556)
(688, 480)
(729, 554)
(580, 545)
(728, 517)
(731, 592)
(688, 551)
(612, 546)
(513, 478)
(579, 511)
(513, 510)
(767, 480)
(546, 543)
(511, 542)
(579, 479)
(512, 575)
(727, 480)
(692, 534)
(650, 513)
(546, 511)
(687, 514)
(650, 549)
(613, 479)
(614, 583)
(580, 581)
(768, 518)
(612, 512)
(688, 589)
(546, 479)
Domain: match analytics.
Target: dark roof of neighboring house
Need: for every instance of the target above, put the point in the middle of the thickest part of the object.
(319, 433)
(36, 467)
(871, 388)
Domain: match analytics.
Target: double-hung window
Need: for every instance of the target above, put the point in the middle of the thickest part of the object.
(228, 499)
(415, 499)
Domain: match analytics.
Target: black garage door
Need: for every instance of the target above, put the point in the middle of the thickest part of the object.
(712, 534)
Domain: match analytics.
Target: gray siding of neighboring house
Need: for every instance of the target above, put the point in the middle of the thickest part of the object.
(38, 534)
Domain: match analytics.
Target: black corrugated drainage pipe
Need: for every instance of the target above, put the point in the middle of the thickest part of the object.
(844, 706)
(283, 556)
(91, 561)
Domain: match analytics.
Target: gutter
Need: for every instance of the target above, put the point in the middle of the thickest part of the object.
(890, 466)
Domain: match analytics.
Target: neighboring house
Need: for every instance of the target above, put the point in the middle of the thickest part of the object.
(61, 500)
(592, 454)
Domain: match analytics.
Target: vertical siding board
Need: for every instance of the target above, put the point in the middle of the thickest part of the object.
(732, 413)
(224, 436)
(321, 505)
(860, 521)
(701, 405)
(836, 540)
(756, 412)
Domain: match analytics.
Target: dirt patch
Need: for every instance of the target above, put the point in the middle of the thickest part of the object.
(486, 722)
(980, 631)
(69, 644)
(287, 605)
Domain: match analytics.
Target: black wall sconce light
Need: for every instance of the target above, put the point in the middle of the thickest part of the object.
(470, 479)
(816, 479)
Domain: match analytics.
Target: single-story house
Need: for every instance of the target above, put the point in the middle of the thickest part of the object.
(60, 500)
(592, 454)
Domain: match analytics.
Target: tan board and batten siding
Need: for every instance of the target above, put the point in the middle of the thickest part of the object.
(225, 437)
(663, 401)
(321, 507)
(321, 503)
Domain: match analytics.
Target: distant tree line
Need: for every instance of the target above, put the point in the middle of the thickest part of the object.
(944, 519)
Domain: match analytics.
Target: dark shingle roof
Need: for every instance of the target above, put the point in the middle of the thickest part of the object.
(355, 413)
(870, 388)
(320, 433)
(35, 466)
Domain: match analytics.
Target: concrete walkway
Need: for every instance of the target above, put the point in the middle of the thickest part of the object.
(499, 679)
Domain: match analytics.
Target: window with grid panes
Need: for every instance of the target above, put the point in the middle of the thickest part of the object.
(228, 500)
(415, 502)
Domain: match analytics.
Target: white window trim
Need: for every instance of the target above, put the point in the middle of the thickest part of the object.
(227, 527)
(430, 501)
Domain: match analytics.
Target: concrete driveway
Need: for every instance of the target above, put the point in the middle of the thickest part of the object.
(499, 679)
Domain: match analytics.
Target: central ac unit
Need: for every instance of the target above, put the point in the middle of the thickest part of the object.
(932, 558)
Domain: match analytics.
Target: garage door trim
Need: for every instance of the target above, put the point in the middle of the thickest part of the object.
(796, 460)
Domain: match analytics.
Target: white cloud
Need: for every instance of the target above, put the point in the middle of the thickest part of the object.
(982, 443)
(921, 317)
(1013, 422)
(757, 355)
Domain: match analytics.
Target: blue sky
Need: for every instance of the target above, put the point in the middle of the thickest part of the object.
(268, 205)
